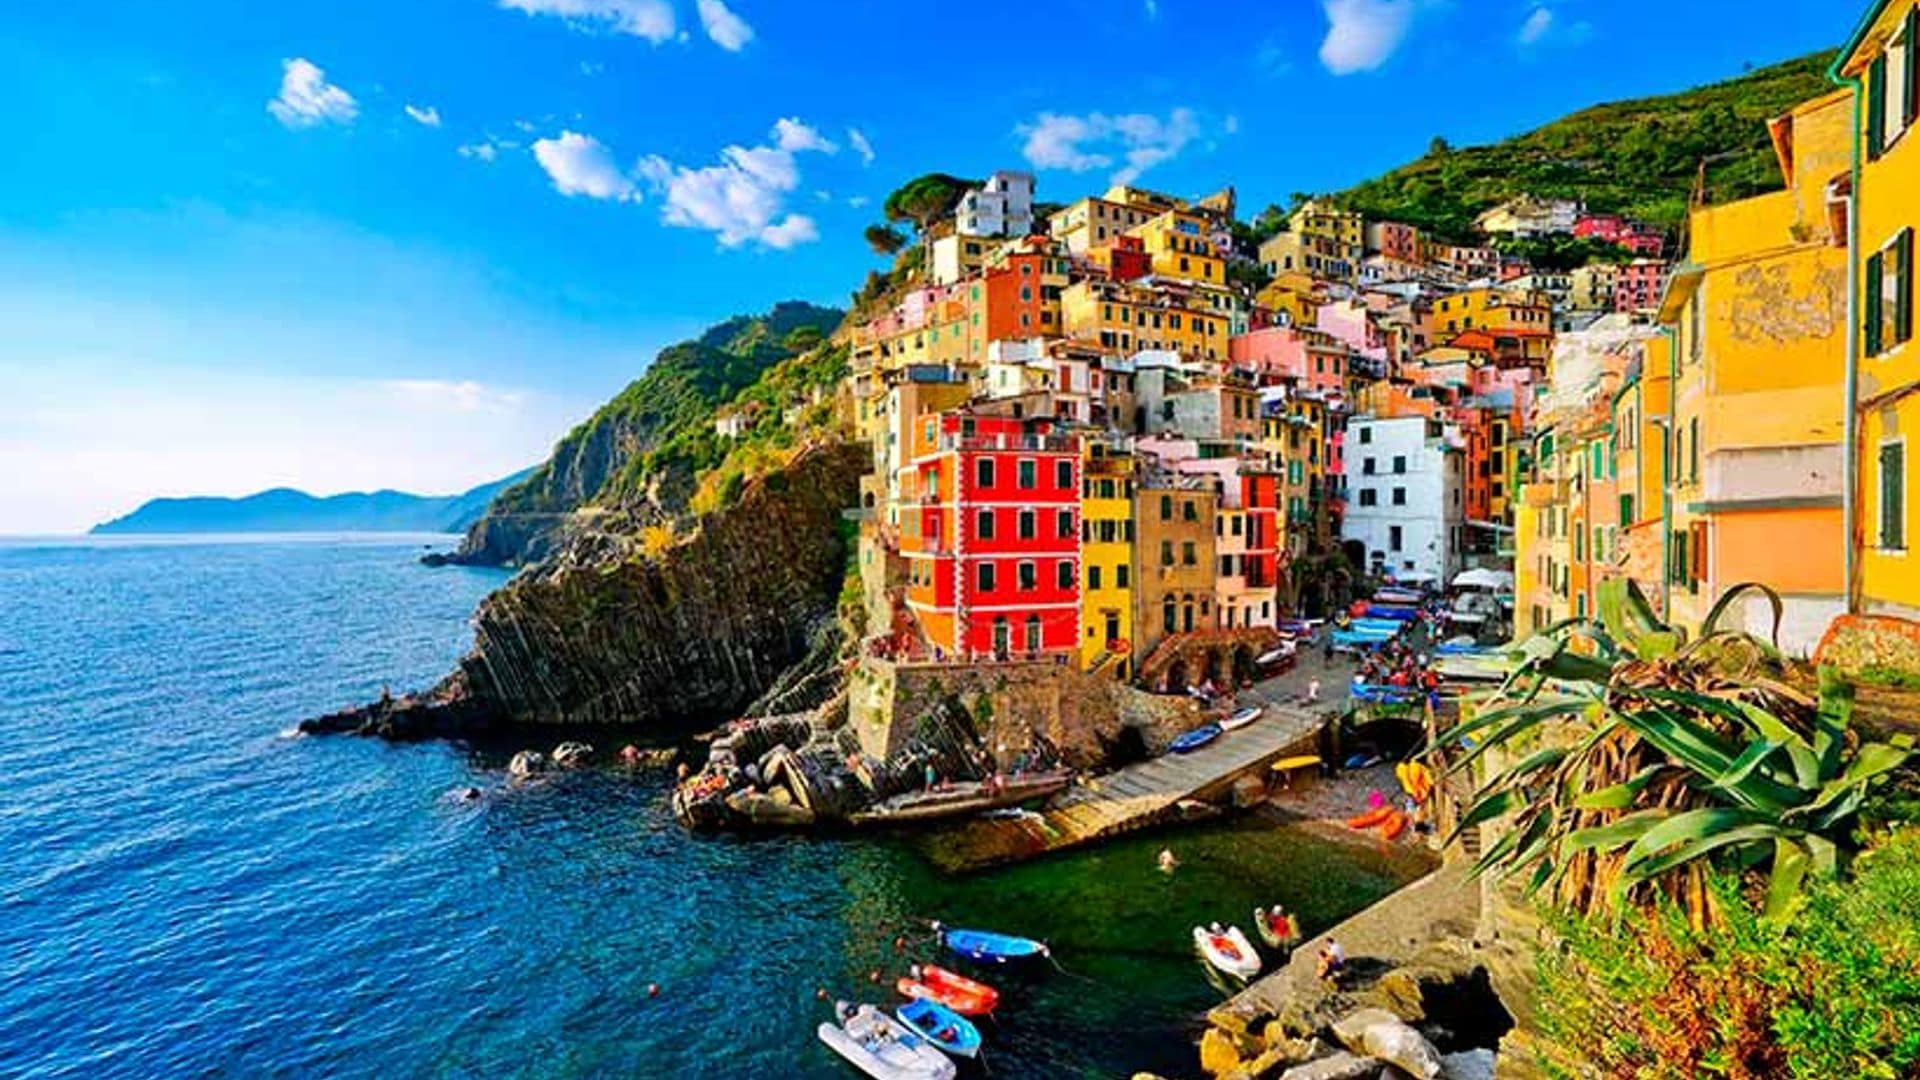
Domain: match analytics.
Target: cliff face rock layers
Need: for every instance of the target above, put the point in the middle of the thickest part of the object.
(600, 633)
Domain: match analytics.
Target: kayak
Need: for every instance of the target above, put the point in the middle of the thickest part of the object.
(1369, 819)
(1242, 718)
(1195, 739)
(986, 945)
(1395, 824)
(941, 1026)
(882, 1047)
(1415, 779)
(1227, 951)
(965, 996)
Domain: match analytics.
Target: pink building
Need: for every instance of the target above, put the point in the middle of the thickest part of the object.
(1396, 241)
(1637, 285)
(1351, 323)
(1280, 354)
(1615, 229)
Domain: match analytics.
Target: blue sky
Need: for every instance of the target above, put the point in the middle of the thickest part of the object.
(359, 244)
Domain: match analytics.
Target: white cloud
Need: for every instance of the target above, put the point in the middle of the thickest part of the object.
(1536, 26)
(308, 99)
(480, 151)
(729, 31)
(427, 115)
(1362, 34)
(459, 396)
(580, 165)
(743, 197)
(858, 140)
(793, 136)
(857, 201)
(1134, 141)
(652, 20)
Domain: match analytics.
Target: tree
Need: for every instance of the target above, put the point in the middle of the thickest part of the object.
(802, 338)
(1439, 147)
(926, 199)
(884, 239)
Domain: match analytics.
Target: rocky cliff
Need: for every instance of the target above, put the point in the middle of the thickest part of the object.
(637, 460)
(611, 630)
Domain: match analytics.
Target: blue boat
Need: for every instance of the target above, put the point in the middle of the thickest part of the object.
(1195, 739)
(941, 1026)
(1393, 611)
(1389, 626)
(985, 945)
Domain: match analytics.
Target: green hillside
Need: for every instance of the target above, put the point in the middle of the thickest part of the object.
(1639, 157)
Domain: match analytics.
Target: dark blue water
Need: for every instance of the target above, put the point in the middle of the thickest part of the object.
(189, 891)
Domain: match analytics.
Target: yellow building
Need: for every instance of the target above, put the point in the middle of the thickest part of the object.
(1881, 65)
(1345, 231)
(1128, 318)
(1180, 246)
(1316, 256)
(1639, 423)
(1758, 412)
(1490, 308)
(1295, 295)
(1093, 222)
(1106, 557)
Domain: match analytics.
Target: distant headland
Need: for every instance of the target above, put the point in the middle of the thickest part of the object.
(288, 510)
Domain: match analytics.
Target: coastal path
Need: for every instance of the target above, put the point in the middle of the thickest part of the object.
(1136, 796)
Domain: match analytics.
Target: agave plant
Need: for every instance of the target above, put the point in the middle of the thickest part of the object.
(1649, 758)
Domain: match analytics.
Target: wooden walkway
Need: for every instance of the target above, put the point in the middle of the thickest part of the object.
(1137, 796)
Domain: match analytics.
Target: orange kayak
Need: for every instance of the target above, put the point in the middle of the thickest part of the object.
(1394, 825)
(1370, 818)
(957, 992)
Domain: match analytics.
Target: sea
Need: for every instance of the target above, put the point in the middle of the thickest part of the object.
(188, 888)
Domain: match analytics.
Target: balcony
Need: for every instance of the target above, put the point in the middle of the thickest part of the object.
(1055, 443)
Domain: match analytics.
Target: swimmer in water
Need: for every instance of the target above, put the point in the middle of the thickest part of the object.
(1168, 864)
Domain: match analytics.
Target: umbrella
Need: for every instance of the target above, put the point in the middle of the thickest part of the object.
(1483, 578)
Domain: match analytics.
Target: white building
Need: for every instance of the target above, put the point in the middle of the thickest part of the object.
(1003, 206)
(1405, 502)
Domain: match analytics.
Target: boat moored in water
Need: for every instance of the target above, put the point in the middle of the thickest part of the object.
(947, 1030)
(968, 997)
(1227, 950)
(987, 946)
(883, 1047)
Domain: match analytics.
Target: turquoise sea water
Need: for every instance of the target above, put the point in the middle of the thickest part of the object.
(189, 891)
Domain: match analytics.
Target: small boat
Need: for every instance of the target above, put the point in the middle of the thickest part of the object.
(1242, 717)
(941, 1026)
(963, 799)
(882, 1047)
(1227, 950)
(1271, 934)
(1282, 654)
(968, 997)
(1369, 819)
(1395, 824)
(985, 945)
(1195, 739)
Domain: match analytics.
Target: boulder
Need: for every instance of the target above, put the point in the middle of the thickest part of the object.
(527, 763)
(1221, 1054)
(1339, 1065)
(1467, 1065)
(1379, 1034)
(569, 755)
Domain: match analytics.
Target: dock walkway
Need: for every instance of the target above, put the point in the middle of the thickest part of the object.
(1133, 797)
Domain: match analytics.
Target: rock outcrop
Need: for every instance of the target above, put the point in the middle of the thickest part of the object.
(605, 632)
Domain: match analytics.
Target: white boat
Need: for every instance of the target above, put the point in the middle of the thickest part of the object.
(883, 1047)
(1227, 950)
(1243, 717)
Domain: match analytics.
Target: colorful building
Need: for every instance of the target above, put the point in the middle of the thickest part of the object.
(991, 534)
(1174, 558)
(1106, 557)
(1881, 65)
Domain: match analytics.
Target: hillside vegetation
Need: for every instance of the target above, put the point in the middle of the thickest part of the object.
(1639, 158)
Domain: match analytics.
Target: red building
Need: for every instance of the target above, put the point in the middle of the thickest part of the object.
(1637, 285)
(1127, 258)
(1615, 229)
(1260, 494)
(992, 536)
(1022, 294)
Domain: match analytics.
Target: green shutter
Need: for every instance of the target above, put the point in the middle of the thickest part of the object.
(1893, 491)
(1903, 304)
(1876, 107)
(1875, 264)
(1912, 111)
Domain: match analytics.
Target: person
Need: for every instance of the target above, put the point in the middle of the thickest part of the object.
(933, 776)
(1333, 960)
(1313, 690)
(1167, 862)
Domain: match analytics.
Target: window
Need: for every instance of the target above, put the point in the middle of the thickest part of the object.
(1033, 633)
(1063, 475)
(1626, 511)
(1400, 463)
(1166, 553)
(1889, 295)
(1065, 521)
(1064, 574)
(1167, 613)
(1093, 576)
(1399, 496)
(1187, 557)
(983, 473)
(1166, 508)
(1693, 450)
(984, 573)
(1188, 510)
(1120, 573)
(1393, 538)
(1366, 436)
(1367, 466)
(1029, 577)
(1029, 474)
(983, 525)
(1369, 497)
(1893, 495)
(1028, 527)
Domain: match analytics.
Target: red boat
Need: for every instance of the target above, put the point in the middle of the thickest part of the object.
(956, 992)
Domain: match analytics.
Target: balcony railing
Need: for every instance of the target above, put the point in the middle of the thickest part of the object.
(1059, 443)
